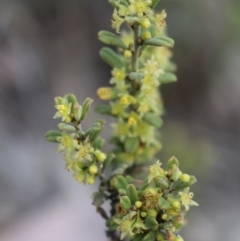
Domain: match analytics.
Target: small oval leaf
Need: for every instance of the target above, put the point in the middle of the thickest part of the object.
(160, 41)
(110, 57)
(52, 136)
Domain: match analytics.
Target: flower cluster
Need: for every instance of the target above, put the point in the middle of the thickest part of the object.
(81, 150)
(134, 98)
(155, 209)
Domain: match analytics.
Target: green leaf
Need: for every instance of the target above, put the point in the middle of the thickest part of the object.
(77, 112)
(66, 127)
(163, 204)
(132, 193)
(111, 39)
(162, 183)
(104, 109)
(52, 136)
(150, 236)
(119, 182)
(160, 41)
(167, 78)
(98, 199)
(86, 107)
(131, 144)
(153, 120)
(138, 237)
(71, 99)
(151, 223)
(112, 226)
(172, 161)
(113, 59)
(98, 143)
(125, 203)
(108, 160)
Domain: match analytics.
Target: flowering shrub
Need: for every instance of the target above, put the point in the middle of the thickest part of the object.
(147, 202)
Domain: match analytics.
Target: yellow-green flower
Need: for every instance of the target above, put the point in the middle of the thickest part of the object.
(117, 21)
(64, 109)
(118, 79)
(155, 171)
(121, 129)
(145, 132)
(133, 119)
(84, 152)
(186, 198)
(138, 7)
(126, 99)
(119, 74)
(125, 226)
(67, 142)
(122, 10)
(117, 108)
(152, 67)
(160, 20)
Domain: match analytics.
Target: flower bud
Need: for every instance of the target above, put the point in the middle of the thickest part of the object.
(80, 177)
(143, 214)
(100, 155)
(93, 169)
(152, 212)
(90, 180)
(160, 236)
(146, 35)
(77, 111)
(138, 204)
(185, 178)
(127, 54)
(176, 204)
(145, 23)
(164, 216)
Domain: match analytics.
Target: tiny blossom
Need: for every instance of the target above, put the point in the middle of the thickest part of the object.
(123, 10)
(149, 83)
(145, 132)
(64, 110)
(125, 226)
(117, 108)
(160, 20)
(119, 74)
(152, 67)
(186, 198)
(127, 37)
(121, 129)
(138, 7)
(84, 152)
(67, 142)
(155, 171)
(117, 21)
(126, 99)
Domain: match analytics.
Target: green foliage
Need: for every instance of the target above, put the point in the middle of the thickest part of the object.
(153, 207)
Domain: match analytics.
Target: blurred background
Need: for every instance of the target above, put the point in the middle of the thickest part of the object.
(50, 48)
